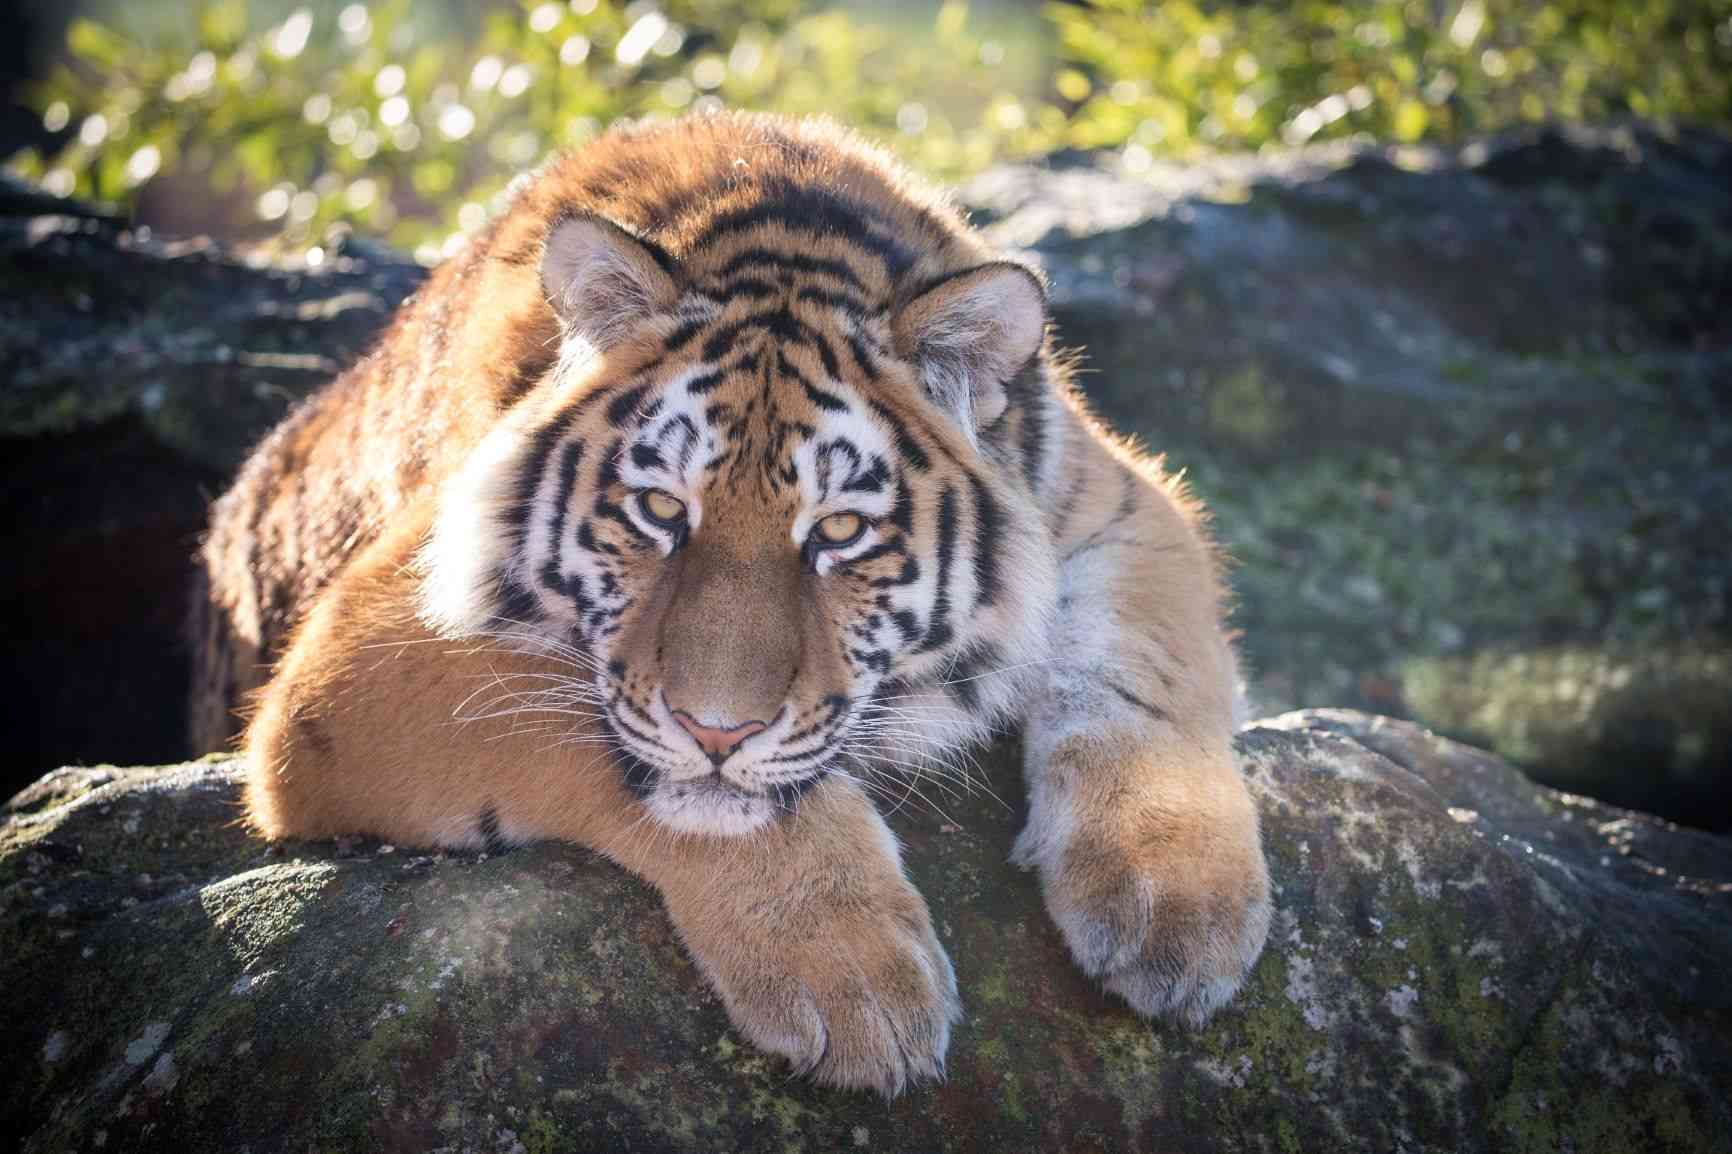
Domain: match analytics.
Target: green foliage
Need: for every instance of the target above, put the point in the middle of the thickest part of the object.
(408, 122)
(1172, 75)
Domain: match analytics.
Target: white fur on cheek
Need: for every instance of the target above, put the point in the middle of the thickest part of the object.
(464, 558)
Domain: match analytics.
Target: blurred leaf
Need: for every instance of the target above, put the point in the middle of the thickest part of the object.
(1072, 84)
(94, 44)
(486, 91)
(1410, 121)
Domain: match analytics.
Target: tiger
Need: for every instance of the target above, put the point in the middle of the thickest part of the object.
(726, 470)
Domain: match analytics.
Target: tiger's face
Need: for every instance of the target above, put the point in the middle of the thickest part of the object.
(766, 551)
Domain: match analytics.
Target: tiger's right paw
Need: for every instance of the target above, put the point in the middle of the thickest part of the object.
(863, 1000)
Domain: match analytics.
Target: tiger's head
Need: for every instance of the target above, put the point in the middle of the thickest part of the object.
(751, 509)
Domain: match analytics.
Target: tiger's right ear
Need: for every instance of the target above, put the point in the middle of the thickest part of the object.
(602, 280)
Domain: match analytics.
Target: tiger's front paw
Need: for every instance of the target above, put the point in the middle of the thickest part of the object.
(864, 999)
(1169, 911)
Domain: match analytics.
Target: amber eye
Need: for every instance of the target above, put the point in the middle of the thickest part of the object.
(662, 508)
(837, 530)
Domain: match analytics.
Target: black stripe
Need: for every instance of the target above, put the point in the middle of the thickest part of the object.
(621, 408)
(988, 533)
(909, 575)
(782, 324)
(826, 464)
(525, 377)
(882, 549)
(700, 385)
(657, 253)
(1031, 437)
(794, 261)
(802, 208)
(640, 776)
(682, 336)
(568, 463)
(843, 302)
(818, 752)
(902, 512)
(608, 472)
(688, 443)
(605, 478)
(1147, 707)
(938, 631)
(719, 343)
(492, 841)
(752, 288)
(862, 357)
(870, 481)
(823, 398)
(587, 540)
(789, 794)
(541, 447)
(973, 663)
(905, 442)
(877, 660)
(517, 604)
(834, 706)
(640, 713)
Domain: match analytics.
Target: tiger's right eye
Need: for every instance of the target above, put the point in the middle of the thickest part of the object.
(662, 508)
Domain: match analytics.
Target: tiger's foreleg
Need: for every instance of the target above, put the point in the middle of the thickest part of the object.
(1140, 824)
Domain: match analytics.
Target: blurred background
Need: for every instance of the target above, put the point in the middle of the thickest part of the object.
(1431, 299)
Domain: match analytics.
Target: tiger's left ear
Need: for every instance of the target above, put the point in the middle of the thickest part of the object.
(970, 334)
(602, 280)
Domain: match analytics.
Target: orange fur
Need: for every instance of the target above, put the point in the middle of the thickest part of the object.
(792, 290)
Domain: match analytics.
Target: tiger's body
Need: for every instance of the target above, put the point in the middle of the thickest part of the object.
(734, 462)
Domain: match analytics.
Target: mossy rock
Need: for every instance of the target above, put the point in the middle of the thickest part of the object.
(1462, 961)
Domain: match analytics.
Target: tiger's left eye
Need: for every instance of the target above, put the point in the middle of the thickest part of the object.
(662, 507)
(837, 530)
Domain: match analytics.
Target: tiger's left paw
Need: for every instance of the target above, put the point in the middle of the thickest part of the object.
(1169, 913)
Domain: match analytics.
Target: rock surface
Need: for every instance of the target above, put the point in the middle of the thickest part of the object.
(1462, 417)
(204, 347)
(1462, 961)
(137, 373)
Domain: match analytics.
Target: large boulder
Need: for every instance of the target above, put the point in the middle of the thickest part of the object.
(1461, 961)
(1461, 416)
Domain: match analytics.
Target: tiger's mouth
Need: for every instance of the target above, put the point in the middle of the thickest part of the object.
(708, 803)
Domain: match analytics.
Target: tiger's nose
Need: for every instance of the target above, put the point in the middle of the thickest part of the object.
(717, 743)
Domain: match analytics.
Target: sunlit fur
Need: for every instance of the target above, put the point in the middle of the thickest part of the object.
(770, 324)
(727, 617)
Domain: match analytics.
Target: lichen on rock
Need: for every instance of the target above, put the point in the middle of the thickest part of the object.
(1462, 961)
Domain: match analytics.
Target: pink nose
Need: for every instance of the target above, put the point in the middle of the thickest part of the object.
(717, 743)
